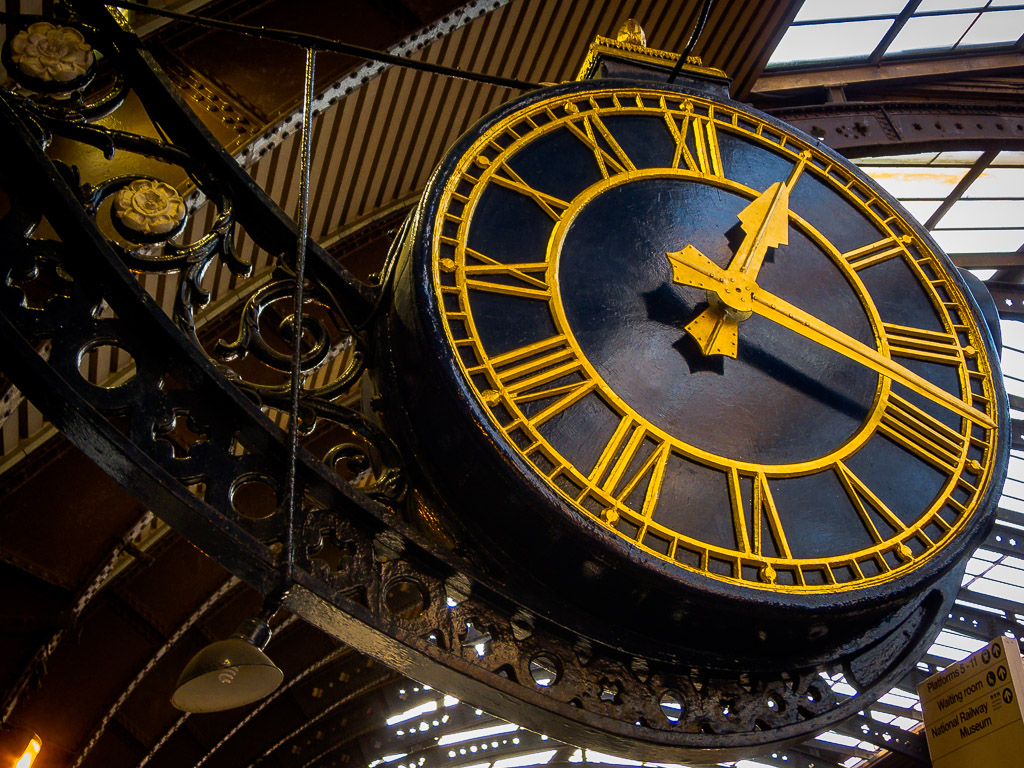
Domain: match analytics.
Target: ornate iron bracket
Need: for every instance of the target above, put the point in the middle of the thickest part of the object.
(188, 437)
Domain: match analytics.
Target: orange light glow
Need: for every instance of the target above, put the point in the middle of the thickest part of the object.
(29, 755)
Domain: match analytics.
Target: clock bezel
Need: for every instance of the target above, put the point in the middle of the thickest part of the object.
(609, 549)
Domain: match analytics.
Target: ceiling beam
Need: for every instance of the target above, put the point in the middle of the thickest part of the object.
(887, 737)
(865, 129)
(1004, 260)
(979, 167)
(1009, 297)
(902, 72)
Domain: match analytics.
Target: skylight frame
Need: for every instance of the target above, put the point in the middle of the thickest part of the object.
(975, 173)
(911, 10)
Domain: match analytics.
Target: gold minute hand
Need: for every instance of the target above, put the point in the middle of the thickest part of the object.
(771, 307)
(765, 221)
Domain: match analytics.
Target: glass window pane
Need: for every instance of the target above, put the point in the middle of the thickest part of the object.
(956, 158)
(979, 240)
(921, 209)
(983, 213)
(915, 159)
(920, 183)
(818, 42)
(995, 27)
(820, 10)
(949, 5)
(1009, 157)
(996, 589)
(1004, 574)
(925, 158)
(998, 182)
(955, 640)
(926, 33)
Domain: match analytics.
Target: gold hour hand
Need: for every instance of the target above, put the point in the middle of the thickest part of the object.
(728, 293)
(777, 310)
(731, 292)
(693, 268)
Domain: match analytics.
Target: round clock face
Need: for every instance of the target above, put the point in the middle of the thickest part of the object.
(714, 340)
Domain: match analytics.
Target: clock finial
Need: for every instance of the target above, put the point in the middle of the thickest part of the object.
(627, 56)
(631, 32)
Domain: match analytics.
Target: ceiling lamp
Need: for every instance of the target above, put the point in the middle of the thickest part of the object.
(229, 673)
(18, 747)
(29, 755)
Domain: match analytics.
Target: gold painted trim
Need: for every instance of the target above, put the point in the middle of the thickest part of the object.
(497, 380)
(641, 54)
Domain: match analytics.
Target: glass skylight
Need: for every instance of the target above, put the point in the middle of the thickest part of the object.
(829, 30)
(985, 217)
(819, 10)
(917, 182)
(954, 241)
(995, 27)
(820, 42)
(1003, 214)
(931, 33)
(1002, 182)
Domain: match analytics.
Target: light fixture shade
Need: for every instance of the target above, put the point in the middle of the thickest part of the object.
(30, 753)
(228, 673)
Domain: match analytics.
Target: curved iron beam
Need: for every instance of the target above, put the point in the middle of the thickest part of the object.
(211, 601)
(866, 129)
(37, 664)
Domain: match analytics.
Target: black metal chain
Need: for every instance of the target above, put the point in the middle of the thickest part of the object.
(300, 276)
(698, 28)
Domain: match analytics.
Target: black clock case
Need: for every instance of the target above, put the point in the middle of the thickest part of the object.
(577, 573)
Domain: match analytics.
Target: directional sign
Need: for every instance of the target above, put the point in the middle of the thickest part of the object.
(972, 710)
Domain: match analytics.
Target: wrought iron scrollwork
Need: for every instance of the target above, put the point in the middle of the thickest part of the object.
(266, 333)
(53, 60)
(148, 215)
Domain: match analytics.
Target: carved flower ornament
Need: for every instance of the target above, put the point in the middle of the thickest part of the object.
(51, 53)
(149, 207)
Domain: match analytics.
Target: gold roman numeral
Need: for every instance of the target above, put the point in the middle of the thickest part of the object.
(551, 205)
(620, 453)
(764, 510)
(706, 157)
(859, 493)
(587, 129)
(527, 373)
(875, 253)
(922, 435)
(486, 273)
(921, 344)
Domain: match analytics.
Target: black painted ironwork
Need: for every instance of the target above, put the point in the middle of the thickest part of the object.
(911, 745)
(868, 129)
(186, 434)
